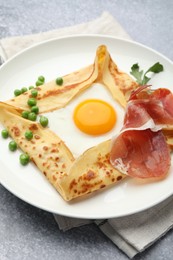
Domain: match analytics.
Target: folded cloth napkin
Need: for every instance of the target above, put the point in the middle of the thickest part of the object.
(105, 24)
(132, 234)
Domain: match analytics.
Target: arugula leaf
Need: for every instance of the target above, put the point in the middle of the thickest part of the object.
(156, 68)
(142, 77)
(136, 72)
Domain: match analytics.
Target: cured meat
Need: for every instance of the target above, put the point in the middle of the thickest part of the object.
(158, 104)
(140, 150)
(137, 116)
(142, 154)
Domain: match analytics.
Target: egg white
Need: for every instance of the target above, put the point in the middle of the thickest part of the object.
(61, 121)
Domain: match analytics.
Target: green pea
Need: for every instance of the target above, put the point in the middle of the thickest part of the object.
(41, 78)
(32, 102)
(24, 158)
(59, 81)
(23, 90)
(32, 116)
(31, 87)
(5, 133)
(25, 114)
(28, 135)
(34, 92)
(12, 146)
(39, 83)
(35, 109)
(44, 121)
(17, 92)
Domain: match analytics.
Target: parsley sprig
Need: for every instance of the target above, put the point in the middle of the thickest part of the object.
(141, 77)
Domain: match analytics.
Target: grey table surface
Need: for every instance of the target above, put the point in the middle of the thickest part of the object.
(27, 232)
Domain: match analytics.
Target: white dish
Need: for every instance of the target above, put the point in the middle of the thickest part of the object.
(55, 58)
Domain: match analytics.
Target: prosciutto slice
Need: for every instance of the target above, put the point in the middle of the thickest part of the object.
(140, 150)
(142, 154)
(158, 104)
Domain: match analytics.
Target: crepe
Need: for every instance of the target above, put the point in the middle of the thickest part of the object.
(46, 150)
(51, 96)
(119, 83)
(92, 170)
(104, 70)
(71, 178)
(168, 133)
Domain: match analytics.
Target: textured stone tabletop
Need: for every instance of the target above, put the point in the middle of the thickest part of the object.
(27, 232)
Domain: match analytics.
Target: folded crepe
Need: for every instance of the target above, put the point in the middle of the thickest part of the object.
(168, 133)
(47, 151)
(71, 178)
(104, 70)
(92, 170)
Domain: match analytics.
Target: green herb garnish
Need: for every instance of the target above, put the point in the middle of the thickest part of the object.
(142, 77)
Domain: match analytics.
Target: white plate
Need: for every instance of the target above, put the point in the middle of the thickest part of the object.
(59, 57)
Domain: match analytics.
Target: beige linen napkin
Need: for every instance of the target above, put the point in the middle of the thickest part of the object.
(105, 24)
(132, 234)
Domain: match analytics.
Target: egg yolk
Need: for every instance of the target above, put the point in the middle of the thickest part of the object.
(94, 117)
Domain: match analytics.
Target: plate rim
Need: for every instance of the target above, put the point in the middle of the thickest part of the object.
(44, 42)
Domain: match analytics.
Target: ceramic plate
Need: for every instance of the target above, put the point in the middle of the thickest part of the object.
(59, 57)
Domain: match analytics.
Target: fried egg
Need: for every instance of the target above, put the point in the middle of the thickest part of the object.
(94, 116)
(80, 131)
